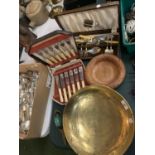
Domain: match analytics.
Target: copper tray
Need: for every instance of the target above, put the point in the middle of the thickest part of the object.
(98, 121)
(105, 69)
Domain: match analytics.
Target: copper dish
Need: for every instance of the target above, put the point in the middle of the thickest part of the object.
(98, 121)
(105, 69)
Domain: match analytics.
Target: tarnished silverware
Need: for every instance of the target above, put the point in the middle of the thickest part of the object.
(27, 87)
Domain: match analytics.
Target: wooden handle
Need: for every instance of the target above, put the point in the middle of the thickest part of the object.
(83, 84)
(78, 85)
(60, 95)
(69, 91)
(65, 94)
(73, 87)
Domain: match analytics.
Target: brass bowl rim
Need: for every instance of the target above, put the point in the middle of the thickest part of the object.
(131, 112)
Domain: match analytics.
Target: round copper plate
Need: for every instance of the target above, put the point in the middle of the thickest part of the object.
(105, 69)
(98, 121)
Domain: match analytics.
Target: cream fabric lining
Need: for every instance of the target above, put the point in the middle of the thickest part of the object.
(104, 18)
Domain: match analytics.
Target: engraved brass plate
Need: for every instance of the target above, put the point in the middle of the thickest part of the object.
(98, 121)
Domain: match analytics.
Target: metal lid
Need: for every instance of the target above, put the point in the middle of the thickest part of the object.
(33, 7)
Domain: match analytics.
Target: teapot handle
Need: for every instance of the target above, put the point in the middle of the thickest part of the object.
(32, 24)
(22, 8)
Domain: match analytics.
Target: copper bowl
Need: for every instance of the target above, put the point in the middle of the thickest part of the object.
(105, 69)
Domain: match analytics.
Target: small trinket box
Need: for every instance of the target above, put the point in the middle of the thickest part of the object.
(34, 88)
(95, 29)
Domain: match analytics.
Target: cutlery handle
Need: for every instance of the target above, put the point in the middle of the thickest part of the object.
(73, 87)
(60, 95)
(65, 94)
(53, 59)
(58, 57)
(67, 54)
(69, 91)
(63, 56)
(49, 62)
(83, 84)
(73, 53)
(78, 85)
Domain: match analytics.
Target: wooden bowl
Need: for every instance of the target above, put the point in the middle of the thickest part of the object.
(105, 69)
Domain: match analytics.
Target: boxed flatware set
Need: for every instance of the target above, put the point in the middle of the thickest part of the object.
(95, 29)
(59, 52)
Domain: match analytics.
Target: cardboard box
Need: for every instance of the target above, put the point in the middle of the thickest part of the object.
(40, 99)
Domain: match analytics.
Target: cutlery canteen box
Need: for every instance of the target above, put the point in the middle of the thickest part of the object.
(58, 50)
(94, 28)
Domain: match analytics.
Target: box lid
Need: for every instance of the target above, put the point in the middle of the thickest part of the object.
(91, 19)
(51, 44)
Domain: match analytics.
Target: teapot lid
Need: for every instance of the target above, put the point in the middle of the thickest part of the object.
(33, 7)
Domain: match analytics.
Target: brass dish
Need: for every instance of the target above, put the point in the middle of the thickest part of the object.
(105, 69)
(98, 121)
